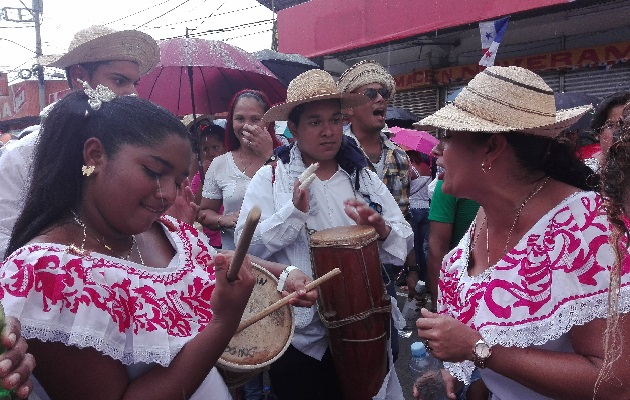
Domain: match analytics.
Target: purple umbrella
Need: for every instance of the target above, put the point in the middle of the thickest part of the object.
(218, 72)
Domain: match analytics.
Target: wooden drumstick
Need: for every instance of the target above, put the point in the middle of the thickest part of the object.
(285, 300)
(243, 243)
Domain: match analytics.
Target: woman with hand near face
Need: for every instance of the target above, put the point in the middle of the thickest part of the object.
(250, 143)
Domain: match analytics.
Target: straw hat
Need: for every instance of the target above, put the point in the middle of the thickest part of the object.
(99, 43)
(364, 73)
(505, 99)
(309, 86)
(188, 119)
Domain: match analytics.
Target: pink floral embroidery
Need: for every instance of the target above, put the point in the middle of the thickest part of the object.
(557, 263)
(144, 300)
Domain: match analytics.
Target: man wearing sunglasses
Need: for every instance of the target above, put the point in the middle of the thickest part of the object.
(389, 161)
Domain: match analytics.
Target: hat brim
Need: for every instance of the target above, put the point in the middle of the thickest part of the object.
(281, 112)
(127, 45)
(200, 118)
(455, 119)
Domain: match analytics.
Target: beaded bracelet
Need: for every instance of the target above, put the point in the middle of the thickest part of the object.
(283, 277)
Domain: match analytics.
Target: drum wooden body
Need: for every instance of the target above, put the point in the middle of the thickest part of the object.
(354, 307)
(260, 344)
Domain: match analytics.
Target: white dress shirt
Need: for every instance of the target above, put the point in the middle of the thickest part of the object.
(15, 165)
(281, 235)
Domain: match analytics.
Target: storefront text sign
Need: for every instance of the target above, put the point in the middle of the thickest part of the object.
(568, 59)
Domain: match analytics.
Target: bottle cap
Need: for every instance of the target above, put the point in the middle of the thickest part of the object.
(418, 349)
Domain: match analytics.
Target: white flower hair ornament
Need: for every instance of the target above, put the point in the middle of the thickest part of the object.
(96, 97)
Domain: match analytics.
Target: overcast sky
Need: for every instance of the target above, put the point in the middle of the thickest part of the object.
(245, 23)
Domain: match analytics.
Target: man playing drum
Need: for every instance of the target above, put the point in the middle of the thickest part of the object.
(342, 192)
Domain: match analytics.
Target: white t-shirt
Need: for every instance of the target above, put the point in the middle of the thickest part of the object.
(224, 181)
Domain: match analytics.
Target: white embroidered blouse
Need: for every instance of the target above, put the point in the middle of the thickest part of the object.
(556, 277)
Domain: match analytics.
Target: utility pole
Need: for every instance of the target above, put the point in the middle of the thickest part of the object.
(274, 28)
(38, 8)
(21, 15)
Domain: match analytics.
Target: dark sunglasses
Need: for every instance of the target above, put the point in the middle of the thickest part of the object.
(371, 93)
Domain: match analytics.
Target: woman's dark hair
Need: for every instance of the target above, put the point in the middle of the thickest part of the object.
(57, 183)
(601, 111)
(615, 185)
(231, 141)
(556, 157)
(213, 130)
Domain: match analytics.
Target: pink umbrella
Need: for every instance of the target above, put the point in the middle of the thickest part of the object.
(410, 139)
(218, 72)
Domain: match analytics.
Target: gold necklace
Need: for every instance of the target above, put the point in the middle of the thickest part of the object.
(82, 251)
(518, 214)
(243, 162)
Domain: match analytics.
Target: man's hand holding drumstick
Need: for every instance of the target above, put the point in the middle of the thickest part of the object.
(295, 281)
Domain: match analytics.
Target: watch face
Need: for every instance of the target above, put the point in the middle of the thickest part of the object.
(482, 350)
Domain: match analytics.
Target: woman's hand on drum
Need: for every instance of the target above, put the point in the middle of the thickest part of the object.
(16, 372)
(229, 299)
(363, 214)
(300, 197)
(447, 338)
(296, 281)
(259, 140)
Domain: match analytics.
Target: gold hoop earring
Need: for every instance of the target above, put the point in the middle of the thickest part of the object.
(87, 170)
(483, 167)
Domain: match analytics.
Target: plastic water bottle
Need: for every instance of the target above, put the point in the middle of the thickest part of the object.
(412, 306)
(425, 372)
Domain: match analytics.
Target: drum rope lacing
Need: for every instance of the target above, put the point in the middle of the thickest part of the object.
(357, 317)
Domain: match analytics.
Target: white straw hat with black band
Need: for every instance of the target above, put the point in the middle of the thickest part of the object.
(99, 43)
(505, 99)
(309, 86)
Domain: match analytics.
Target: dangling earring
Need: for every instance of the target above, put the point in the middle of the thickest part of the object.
(87, 171)
(483, 167)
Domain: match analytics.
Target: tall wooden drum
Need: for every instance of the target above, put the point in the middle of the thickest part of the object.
(354, 307)
(257, 346)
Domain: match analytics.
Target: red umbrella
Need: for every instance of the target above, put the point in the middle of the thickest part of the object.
(410, 139)
(218, 72)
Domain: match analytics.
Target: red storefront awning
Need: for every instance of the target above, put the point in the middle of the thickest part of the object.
(322, 27)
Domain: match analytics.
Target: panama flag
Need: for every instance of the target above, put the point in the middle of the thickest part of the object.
(491, 34)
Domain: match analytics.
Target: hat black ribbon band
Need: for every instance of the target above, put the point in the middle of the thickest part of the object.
(502, 102)
(503, 78)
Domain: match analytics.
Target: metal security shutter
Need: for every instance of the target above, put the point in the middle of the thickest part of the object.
(598, 82)
(452, 88)
(551, 78)
(422, 102)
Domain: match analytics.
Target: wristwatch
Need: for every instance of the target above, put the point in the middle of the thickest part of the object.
(481, 352)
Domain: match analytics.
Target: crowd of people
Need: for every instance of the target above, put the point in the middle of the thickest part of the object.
(119, 221)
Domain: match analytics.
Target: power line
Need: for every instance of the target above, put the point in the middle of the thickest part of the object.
(249, 34)
(223, 30)
(178, 24)
(160, 16)
(138, 12)
(204, 20)
(17, 44)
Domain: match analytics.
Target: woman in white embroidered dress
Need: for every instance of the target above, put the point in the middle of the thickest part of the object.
(117, 300)
(250, 143)
(524, 294)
